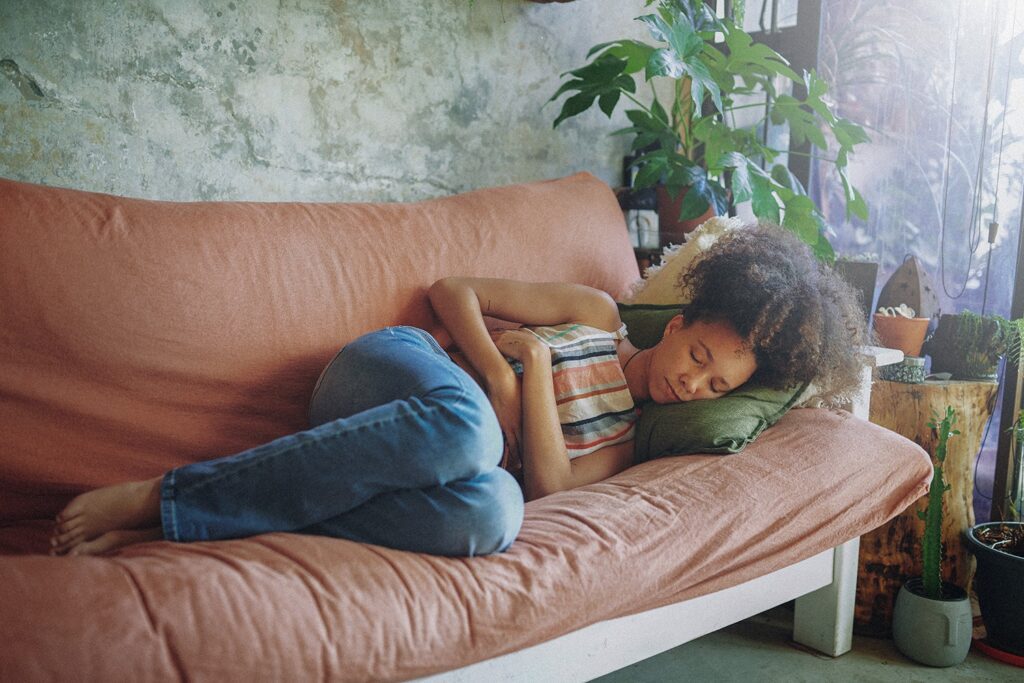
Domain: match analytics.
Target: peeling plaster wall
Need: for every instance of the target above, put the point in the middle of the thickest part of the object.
(369, 100)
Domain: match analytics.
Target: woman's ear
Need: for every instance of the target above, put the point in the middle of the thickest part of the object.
(674, 324)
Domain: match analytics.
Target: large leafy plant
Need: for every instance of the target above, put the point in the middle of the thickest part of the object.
(695, 141)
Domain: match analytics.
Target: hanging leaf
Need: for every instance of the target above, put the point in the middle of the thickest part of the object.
(855, 204)
(763, 202)
(742, 190)
(784, 177)
(802, 218)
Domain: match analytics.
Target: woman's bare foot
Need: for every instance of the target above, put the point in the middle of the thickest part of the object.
(122, 507)
(112, 540)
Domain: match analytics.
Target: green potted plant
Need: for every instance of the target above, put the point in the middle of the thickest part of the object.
(932, 618)
(969, 346)
(694, 143)
(999, 582)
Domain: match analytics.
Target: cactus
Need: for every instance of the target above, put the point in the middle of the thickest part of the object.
(931, 544)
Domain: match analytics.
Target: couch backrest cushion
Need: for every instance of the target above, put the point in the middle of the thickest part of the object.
(138, 335)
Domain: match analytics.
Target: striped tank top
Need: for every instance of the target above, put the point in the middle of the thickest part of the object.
(595, 408)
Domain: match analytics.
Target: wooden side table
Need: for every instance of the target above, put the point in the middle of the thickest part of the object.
(891, 554)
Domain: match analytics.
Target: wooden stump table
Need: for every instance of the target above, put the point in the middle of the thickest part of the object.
(891, 554)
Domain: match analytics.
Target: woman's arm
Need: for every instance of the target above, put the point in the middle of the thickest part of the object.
(461, 303)
(546, 464)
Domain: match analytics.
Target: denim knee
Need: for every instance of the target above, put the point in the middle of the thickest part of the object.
(469, 429)
(506, 516)
(491, 522)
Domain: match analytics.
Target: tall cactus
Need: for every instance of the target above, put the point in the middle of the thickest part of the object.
(931, 545)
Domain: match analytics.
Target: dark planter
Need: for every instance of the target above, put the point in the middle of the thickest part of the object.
(863, 277)
(671, 229)
(968, 350)
(999, 583)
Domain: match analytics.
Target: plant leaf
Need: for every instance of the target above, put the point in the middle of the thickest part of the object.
(693, 205)
(784, 177)
(657, 26)
(576, 104)
(664, 62)
(855, 204)
(749, 58)
(741, 188)
(700, 79)
(634, 52)
(763, 201)
(803, 219)
(607, 101)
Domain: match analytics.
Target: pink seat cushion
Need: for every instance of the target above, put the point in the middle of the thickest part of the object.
(283, 606)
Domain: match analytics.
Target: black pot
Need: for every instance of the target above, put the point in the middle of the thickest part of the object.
(999, 583)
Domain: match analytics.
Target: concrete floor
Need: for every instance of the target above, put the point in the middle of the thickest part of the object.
(760, 649)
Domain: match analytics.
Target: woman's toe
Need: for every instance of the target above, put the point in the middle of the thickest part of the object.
(66, 538)
(69, 526)
(102, 544)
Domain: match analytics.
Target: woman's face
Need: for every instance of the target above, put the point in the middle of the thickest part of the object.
(701, 360)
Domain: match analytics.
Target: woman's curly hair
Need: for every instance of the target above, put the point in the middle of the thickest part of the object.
(802, 322)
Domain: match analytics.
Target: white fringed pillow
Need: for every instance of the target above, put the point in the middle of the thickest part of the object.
(660, 284)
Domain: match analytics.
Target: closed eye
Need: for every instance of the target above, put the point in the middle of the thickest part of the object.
(696, 360)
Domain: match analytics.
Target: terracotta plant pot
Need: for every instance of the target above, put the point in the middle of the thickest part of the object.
(671, 229)
(905, 334)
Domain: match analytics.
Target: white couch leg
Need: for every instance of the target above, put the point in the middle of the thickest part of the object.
(824, 619)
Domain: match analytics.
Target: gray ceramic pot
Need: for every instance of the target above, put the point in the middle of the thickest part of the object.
(932, 632)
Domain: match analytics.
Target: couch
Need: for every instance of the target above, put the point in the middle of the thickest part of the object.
(137, 335)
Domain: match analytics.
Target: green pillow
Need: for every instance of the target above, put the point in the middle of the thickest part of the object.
(721, 425)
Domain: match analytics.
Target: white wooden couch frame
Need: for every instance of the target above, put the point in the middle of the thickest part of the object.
(824, 587)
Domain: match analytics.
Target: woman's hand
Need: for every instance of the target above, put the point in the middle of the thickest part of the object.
(522, 345)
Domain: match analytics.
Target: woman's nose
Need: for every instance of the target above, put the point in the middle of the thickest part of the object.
(691, 383)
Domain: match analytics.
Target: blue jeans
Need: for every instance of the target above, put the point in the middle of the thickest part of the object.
(403, 453)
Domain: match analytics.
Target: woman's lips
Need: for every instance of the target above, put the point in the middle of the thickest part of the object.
(672, 391)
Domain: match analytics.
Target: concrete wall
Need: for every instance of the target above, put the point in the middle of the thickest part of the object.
(299, 99)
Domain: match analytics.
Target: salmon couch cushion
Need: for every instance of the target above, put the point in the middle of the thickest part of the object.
(290, 607)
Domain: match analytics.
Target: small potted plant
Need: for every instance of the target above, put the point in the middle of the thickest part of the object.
(694, 146)
(899, 327)
(999, 582)
(969, 346)
(932, 620)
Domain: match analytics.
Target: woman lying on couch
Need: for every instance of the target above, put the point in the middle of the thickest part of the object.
(416, 449)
